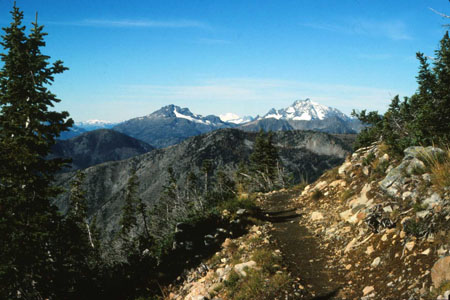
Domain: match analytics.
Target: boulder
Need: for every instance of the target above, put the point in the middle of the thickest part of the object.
(376, 262)
(414, 160)
(368, 289)
(344, 168)
(240, 268)
(440, 272)
(316, 216)
(433, 200)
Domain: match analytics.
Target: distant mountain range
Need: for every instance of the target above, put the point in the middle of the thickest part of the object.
(172, 124)
(95, 124)
(305, 115)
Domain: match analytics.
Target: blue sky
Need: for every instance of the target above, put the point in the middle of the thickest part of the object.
(129, 58)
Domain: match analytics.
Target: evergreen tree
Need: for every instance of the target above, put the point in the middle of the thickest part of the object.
(28, 220)
(128, 221)
(207, 165)
(264, 160)
(79, 259)
(423, 118)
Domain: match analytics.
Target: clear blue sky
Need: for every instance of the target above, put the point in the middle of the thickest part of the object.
(129, 58)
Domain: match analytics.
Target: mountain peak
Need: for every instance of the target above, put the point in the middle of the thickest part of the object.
(305, 110)
(235, 119)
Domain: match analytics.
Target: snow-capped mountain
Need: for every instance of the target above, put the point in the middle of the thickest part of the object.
(95, 124)
(305, 115)
(305, 110)
(235, 119)
(173, 111)
(170, 125)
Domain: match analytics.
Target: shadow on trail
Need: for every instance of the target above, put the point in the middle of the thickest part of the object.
(304, 257)
(279, 216)
(328, 296)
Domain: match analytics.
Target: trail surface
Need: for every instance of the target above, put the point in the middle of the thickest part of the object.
(307, 262)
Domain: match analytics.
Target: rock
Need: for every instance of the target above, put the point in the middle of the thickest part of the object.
(387, 209)
(394, 179)
(423, 152)
(199, 297)
(415, 166)
(432, 201)
(426, 177)
(366, 170)
(348, 267)
(344, 168)
(368, 290)
(239, 268)
(441, 251)
(369, 250)
(422, 214)
(410, 245)
(227, 243)
(440, 272)
(406, 194)
(338, 183)
(316, 216)
(350, 245)
(376, 262)
(426, 252)
(345, 215)
(384, 158)
(320, 185)
(241, 211)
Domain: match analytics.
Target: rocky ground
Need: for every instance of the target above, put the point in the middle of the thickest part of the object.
(374, 228)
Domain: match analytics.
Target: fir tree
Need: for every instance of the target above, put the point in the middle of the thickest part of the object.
(264, 160)
(128, 221)
(28, 221)
(423, 118)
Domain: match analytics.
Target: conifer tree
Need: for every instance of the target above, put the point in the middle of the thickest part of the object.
(423, 118)
(28, 129)
(263, 160)
(128, 221)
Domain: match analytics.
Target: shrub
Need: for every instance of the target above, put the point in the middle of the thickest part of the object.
(316, 195)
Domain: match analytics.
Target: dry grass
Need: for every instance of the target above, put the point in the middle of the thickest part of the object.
(439, 167)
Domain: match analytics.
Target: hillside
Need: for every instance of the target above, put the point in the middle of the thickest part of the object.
(98, 146)
(305, 155)
(376, 227)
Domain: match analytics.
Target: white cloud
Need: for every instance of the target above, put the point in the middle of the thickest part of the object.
(136, 23)
(392, 29)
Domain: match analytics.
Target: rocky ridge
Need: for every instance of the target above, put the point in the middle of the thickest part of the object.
(382, 219)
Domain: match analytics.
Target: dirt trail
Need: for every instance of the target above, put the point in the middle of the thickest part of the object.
(304, 258)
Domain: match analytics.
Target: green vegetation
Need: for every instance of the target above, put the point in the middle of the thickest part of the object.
(264, 171)
(423, 118)
(316, 195)
(263, 282)
(32, 256)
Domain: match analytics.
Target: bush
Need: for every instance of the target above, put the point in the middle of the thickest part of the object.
(316, 195)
